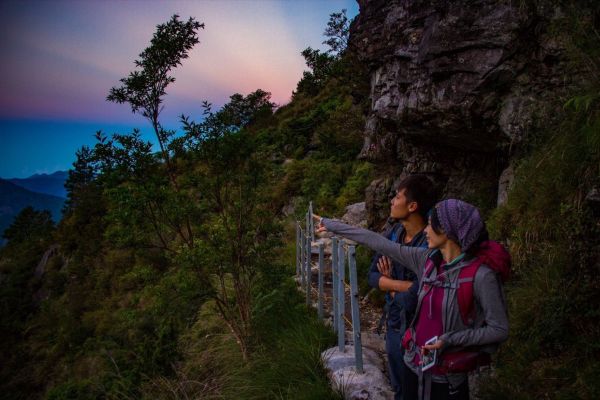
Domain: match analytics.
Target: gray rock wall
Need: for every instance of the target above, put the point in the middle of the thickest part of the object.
(456, 86)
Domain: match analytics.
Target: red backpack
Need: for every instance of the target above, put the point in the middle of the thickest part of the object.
(492, 254)
(495, 256)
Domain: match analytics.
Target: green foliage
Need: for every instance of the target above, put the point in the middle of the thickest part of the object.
(171, 279)
(277, 372)
(144, 89)
(363, 264)
(81, 176)
(82, 225)
(330, 184)
(322, 136)
(322, 179)
(321, 65)
(337, 32)
(354, 189)
(78, 390)
(325, 65)
(554, 239)
(29, 236)
(212, 369)
(29, 225)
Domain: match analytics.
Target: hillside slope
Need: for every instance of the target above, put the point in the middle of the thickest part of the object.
(14, 198)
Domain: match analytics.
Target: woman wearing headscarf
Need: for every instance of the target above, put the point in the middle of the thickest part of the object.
(457, 240)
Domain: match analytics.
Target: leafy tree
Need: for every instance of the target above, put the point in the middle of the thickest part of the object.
(85, 208)
(240, 112)
(82, 174)
(231, 179)
(29, 225)
(325, 64)
(28, 239)
(321, 65)
(142, 209)
(144, 89)
(337, 33)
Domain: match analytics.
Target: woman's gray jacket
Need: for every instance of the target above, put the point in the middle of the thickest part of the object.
(490, 326)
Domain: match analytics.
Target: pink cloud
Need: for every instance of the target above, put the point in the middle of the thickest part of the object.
(65, 66)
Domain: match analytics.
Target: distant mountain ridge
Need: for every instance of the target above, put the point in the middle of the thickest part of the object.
(14, 198)
(52, 184)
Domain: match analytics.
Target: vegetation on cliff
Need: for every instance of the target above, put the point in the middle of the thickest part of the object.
(551, 223)
(173, 279)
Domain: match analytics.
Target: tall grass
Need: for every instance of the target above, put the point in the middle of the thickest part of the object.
(284, 363)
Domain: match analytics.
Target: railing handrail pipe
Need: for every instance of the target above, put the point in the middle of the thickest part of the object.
(339, 254)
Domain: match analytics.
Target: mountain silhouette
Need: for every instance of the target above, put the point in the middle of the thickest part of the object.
(14, 198)
(52, 184)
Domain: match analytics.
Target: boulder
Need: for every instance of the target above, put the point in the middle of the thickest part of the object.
(593, 196)
(372, 384)
(377, 202)
(356, 214)
(326, 241)
(504, 184)
(592, 199)
(371, 340)
(334, 359)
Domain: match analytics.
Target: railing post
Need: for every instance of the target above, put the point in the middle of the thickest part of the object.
(334, 281)
(320, 299)
(302, 257)
(355, 310)
(311, 221)
(341, 297)
(308, 269)
(298, 249)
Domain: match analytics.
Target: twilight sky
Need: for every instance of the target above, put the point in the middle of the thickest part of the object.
(60, 58)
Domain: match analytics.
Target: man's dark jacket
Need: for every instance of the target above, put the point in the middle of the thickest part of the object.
(399, 309)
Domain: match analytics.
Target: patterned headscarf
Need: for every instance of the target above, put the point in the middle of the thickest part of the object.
(461, 221)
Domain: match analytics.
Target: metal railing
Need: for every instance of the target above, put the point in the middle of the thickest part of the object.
(340, 252)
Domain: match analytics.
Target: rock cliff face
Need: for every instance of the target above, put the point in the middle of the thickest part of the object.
(455, 88)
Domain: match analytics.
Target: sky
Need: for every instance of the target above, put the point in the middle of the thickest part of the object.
(60, 59)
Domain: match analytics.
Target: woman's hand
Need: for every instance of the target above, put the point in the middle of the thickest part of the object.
(435, 346)
(320, 227)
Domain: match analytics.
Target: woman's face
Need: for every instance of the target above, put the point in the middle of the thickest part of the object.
(434, 240)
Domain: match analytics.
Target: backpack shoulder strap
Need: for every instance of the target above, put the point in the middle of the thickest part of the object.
(464, 292)
(429, 266)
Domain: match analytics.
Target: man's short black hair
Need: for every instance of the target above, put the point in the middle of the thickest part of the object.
(420, 189)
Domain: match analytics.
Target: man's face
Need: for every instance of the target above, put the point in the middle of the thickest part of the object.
(400, 207)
